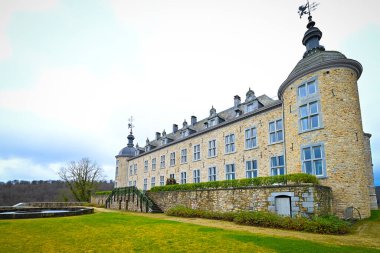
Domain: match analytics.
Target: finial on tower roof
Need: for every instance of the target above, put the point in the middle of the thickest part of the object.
(130, 124)
(307, 9)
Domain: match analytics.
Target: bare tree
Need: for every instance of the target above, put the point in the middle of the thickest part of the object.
(81, 177)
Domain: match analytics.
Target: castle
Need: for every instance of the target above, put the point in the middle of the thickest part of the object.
(314, 127)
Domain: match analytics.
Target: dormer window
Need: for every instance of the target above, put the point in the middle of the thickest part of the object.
(185, 133)
(213, 122)
(250, 107)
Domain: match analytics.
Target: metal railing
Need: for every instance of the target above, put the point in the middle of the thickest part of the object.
(130, 193)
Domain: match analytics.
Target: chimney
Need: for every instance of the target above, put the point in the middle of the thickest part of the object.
(158, 135)
(237, 101)
(193, 120)
(175, 128)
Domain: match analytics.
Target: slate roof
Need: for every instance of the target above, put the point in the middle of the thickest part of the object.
(228, 115)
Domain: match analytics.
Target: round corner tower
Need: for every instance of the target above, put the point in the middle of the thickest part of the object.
(323, 126)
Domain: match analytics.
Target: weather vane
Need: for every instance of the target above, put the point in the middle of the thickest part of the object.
(130, 124)
(307, 9)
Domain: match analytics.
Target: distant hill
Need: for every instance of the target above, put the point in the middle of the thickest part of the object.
(13, 192)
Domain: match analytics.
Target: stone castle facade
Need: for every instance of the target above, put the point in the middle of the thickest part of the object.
(314, 127)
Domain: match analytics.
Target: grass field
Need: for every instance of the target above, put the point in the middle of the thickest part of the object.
(129, 232)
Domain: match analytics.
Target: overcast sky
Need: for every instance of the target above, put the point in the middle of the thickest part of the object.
(72, 72)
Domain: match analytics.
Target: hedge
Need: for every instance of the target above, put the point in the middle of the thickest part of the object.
(315, 224)
(246, 182)
(103, 193)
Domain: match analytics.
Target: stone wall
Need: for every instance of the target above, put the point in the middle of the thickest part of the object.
(305, 199)
(126, 203)
(99, 200)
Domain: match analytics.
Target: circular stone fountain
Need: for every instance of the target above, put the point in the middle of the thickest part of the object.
(42, 212)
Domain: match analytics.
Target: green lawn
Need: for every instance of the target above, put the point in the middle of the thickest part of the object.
(125, 232)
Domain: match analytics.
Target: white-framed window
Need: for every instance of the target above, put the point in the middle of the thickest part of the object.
(162, 162)
(212, 173)
(162, 180)
(250, 138)
(130, 169)
(172, 175)
(117, 168)
(212, 122)
(277, 165)
(230, 171)
(172, 158)
(229, 143)
(152, 182)
(134, 183)
(309, 116)
(146, 166)
(184, 155)
(197, 176)
(185, 133)
(275, 131)
(250, 107)
(212, 148)
(154, 162)
(129, 183)
(183, 177)
(135, 169)
(145, 184)
(307, 89)
(313, 160)
(197, 152)
(251, 169)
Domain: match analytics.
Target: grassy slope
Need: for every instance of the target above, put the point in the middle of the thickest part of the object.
(125, 232)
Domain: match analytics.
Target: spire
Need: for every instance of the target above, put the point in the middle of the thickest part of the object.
(130, 136)
(313, 34)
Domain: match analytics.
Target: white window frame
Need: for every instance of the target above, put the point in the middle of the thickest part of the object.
(251, 169)
(250, 137)
(212, 148)
(183, 177)
(183, 155)
(145, 186)
(276, 168)
(131, 169)
(152, 182)
(229, 141)
(307, 85)
(146, 166)
(212, 172)
(230, 171)
(313, 160)
(154, 164)
(135, 169)
(197, 152)
(162, 162)
(172, 159)
(309, 115)
(162, 180)
(276, 131)
(197, 176)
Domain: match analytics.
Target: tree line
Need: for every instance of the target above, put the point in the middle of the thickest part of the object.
(18, 191)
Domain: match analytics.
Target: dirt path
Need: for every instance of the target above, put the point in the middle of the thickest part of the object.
(363, 236)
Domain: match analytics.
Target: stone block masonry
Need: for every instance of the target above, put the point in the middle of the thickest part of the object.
(304, 200)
